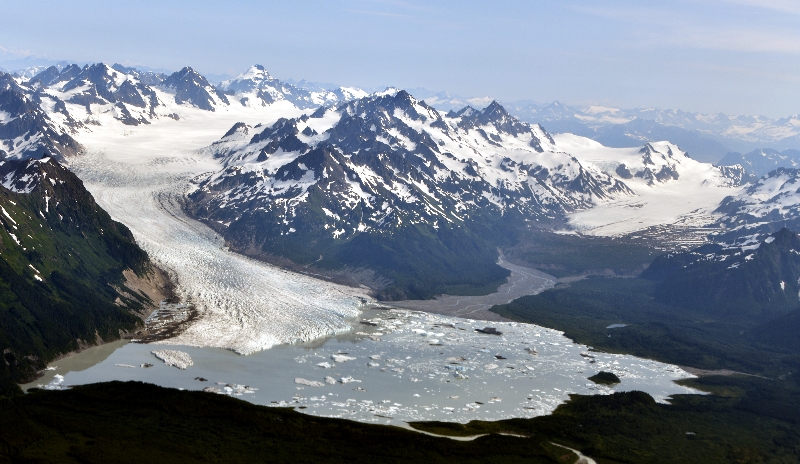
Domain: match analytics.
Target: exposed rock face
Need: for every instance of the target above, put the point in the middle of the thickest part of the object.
(768, 205)
(26, 130)
(388, 160)
(190, 87)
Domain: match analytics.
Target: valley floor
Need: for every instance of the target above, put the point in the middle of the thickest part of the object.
(522, 281)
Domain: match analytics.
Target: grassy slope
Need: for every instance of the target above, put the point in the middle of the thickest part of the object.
(80, 253)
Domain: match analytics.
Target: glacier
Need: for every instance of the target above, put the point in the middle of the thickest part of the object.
(140, 177)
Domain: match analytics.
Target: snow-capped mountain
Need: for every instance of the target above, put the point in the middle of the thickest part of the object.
(446, 101)
(256, 86)
(668, 186)
(78, 97)
(721, 127)
(769, 204)
(760, 162)
(379, 171)
(129, 100)
(26, 129)
(192, 88)
(388, 160)
(655, 163)
(707, 137)
(144, 76)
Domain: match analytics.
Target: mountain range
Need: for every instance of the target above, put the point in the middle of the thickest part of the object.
(360, 180)
(707, 137)
(354, 184)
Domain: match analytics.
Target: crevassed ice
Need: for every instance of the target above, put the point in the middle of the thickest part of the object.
(244, 305)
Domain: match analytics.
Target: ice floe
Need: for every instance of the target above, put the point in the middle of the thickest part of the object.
(533, 370)
(179, 359)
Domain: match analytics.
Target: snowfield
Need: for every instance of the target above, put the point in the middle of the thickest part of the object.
(688, 200)
(140, 176)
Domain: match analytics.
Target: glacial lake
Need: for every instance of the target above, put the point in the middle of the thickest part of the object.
(395, 366)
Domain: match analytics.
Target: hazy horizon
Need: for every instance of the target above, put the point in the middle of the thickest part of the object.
(710, 56)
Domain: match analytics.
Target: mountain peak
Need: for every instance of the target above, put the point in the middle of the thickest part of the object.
(191, 87)
(186, 74)
(495, 110)
(465, 111)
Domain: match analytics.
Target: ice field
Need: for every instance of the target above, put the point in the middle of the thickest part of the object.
(139, 175)
(689, 200)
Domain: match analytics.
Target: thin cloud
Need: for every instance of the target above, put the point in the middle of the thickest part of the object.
(784, 6)
(657, 27)
(743, 41)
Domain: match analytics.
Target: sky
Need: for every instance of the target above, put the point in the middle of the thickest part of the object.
(731, 56)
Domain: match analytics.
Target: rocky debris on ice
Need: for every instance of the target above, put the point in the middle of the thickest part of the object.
(330, 380)
(179, 359)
